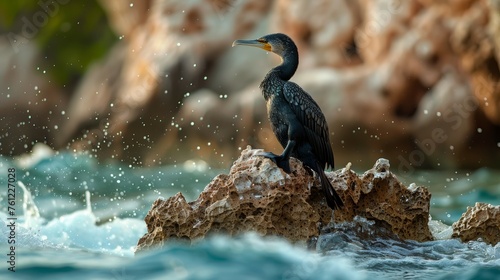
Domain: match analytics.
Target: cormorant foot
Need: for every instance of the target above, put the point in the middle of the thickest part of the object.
(280, 161)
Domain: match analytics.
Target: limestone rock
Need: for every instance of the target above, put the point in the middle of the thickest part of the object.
(481, 221)
(255, 196)
(378, 195)
(258, 196)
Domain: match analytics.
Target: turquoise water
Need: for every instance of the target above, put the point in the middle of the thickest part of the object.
(83, 220)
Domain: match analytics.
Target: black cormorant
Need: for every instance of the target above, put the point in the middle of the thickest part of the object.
(296, 119)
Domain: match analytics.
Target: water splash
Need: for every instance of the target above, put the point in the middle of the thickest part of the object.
(87, 200)
(30, 210)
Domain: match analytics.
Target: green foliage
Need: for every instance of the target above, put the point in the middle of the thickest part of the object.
(75, 34)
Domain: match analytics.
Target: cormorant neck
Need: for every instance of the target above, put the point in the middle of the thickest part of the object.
(290, 63)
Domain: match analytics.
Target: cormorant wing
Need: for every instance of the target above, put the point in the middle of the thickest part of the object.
(309, 114)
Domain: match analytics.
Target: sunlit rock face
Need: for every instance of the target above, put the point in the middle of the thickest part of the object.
(479, 222)
(258, 196)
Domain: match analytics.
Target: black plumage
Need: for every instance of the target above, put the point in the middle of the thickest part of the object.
(296, 119)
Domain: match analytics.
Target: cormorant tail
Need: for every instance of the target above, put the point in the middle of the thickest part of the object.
(332, 198)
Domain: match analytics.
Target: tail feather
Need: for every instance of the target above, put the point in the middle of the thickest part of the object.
(332, 198)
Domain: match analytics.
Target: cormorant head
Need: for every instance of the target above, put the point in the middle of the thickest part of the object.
(277, 43)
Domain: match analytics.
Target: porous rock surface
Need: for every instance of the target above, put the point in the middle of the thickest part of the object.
(481, 221)
(258, 196)
(378, 195)
(255, 196)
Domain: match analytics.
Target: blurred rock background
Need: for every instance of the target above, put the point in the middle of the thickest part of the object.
(157, 82)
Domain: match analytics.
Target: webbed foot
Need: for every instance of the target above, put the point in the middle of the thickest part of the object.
(280, 161)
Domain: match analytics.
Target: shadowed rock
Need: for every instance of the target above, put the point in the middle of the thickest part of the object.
(481, 221)
(379, 196)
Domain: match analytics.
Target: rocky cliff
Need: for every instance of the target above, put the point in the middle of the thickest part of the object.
(416, 82)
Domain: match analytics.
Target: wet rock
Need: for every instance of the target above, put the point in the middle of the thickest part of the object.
(479, 222)
(379, 196)
(258, 196)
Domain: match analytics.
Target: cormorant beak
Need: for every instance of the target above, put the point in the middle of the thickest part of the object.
(253, 43)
